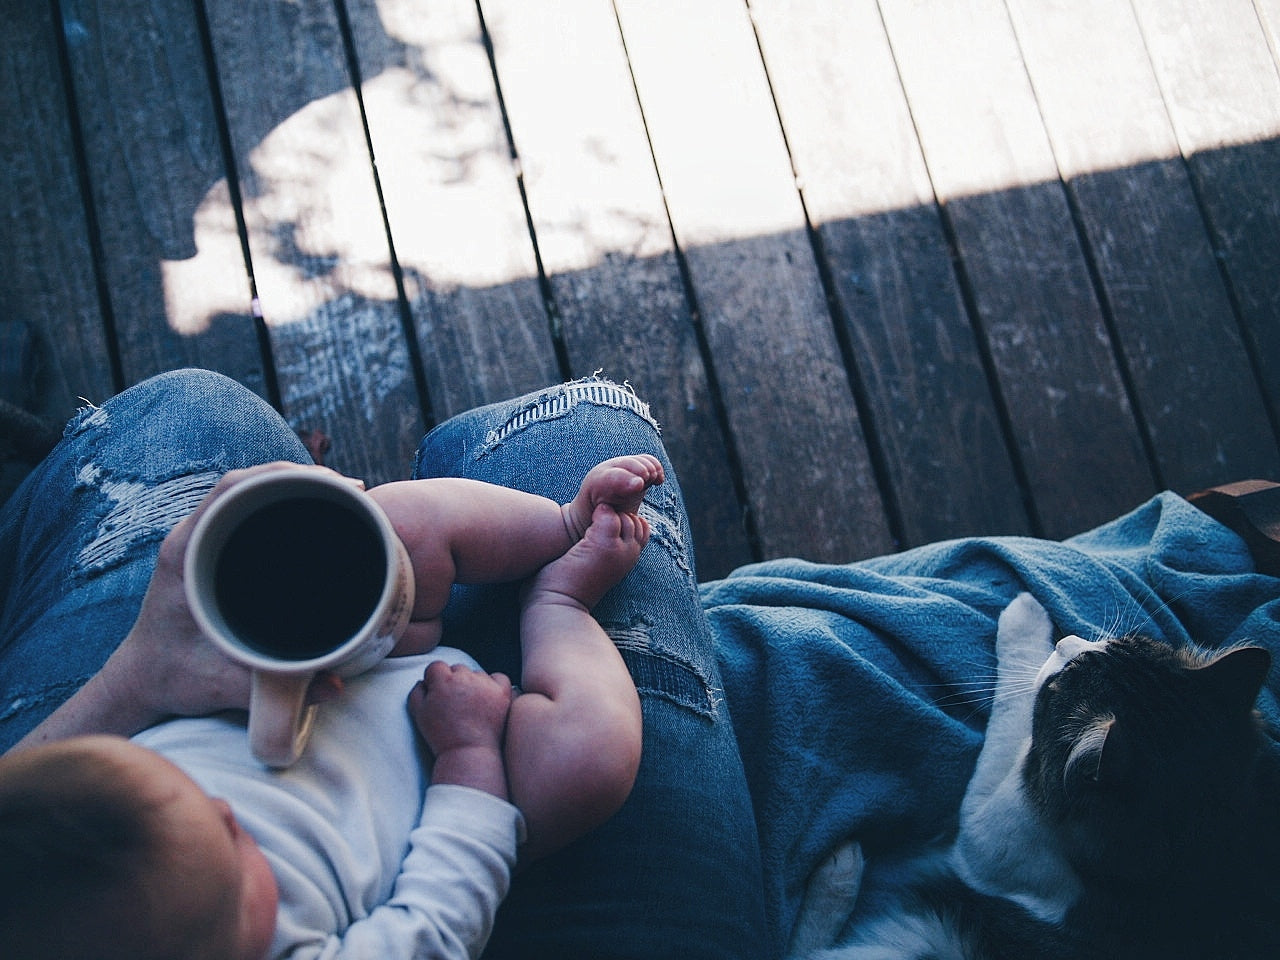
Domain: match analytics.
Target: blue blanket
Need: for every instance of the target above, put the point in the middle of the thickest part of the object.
(859, 693)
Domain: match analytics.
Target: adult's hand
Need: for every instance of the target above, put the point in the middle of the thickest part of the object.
(165, 666)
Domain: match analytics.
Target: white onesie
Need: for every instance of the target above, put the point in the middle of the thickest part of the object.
(366, 868)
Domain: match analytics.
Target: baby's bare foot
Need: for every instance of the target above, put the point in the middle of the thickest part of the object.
(619, 483)
(606, 553)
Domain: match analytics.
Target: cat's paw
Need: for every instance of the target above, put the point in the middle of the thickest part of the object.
(1024, 635)
(829, 898)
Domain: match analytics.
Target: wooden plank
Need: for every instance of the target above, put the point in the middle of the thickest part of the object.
(151, 142)
(1169, 307)
(46, 264)
(992, 167)
(453, 203)
(605, 240)
(1269, 19)
(866, 189)
(317, 240)
(1219, 78)
(739, 223)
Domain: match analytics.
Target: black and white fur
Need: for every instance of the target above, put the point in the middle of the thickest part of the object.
(1124, 805)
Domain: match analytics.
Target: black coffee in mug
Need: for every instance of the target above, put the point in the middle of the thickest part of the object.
(298, 577)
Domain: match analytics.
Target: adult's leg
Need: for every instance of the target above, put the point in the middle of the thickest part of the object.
(677, 871)
(78, 539)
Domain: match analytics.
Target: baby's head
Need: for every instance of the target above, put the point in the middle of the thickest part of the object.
(107, 849)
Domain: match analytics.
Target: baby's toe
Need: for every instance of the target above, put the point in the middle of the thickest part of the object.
(606, 522)
(652, 468)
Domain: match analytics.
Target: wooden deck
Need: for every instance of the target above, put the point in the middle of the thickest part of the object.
(888, 271)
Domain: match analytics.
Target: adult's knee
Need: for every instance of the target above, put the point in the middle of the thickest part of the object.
(189, 390)
(544, 441)
(193, 416)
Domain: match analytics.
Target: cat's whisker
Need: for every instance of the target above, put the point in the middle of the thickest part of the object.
(1116, 626)
(959, 700)
(952, 695)
(1024, 671)
(1111, 625)
(975, 680)
(966, 708)
(967, 689)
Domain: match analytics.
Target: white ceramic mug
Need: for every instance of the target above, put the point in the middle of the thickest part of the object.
(291, 572)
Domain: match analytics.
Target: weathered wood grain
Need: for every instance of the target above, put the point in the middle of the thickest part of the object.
(47, 276)
(867, 191)
(1115, 147)
(457, 222)
(1023, 141)
(151, 142)
(317, 239)
(992, 167)
(739, 223)
(1219, 78)
(605, 241)
(1269, 18)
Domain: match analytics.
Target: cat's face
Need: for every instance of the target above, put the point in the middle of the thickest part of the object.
(1135, 744)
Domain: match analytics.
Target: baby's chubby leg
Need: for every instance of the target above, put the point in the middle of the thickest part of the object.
(619, 482)
(574, 733)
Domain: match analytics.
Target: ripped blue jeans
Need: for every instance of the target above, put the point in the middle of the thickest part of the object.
(676, 873)
(79, 538)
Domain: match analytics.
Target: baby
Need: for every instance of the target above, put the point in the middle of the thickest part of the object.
(177, 844)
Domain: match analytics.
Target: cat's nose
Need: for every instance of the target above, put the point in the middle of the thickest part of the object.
(1070, 647)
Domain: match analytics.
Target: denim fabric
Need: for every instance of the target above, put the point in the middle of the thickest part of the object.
(78, 539)
(676, 873)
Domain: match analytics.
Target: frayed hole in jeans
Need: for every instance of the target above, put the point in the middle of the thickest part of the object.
(560, 400)
(660, 673)
(137, 512)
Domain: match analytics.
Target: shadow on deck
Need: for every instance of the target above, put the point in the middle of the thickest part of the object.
(1033, 360)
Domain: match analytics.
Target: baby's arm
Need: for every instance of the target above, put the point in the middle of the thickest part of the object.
(465, 531)
(461, 854)
(574, 732)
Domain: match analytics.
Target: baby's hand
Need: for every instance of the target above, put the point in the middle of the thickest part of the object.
(619, 483)
(456, 707)
(462, 715)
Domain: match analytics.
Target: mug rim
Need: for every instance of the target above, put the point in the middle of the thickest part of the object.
(337, 489)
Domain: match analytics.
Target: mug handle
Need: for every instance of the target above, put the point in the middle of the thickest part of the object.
(279, 717)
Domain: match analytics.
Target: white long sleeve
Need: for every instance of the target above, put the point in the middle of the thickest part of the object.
(456, 873)
(365, 867)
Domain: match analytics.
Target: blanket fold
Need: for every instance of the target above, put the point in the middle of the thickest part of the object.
(860, 692)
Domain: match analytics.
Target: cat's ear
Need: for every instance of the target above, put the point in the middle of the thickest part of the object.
(1098, 755)
(1236, 676)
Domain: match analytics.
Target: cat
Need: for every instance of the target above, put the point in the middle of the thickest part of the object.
(1124, 806)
